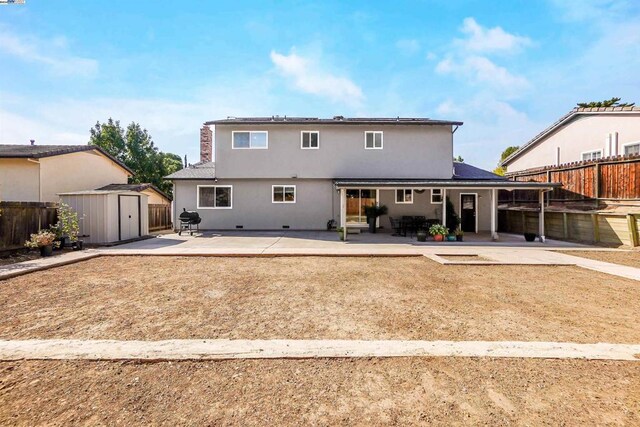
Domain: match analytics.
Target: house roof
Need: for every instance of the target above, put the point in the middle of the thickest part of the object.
(442, 183)
(197, 171)
(566, 119)
(335, 120)
(134, 187)
(466, 171)
(40, 151)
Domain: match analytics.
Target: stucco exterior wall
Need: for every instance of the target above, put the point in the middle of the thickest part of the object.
(316, 203)
(483, 202)
(408, 152)
(155, 198)
(421, 206)
(19, 180)
(585, 133)
(77, 172)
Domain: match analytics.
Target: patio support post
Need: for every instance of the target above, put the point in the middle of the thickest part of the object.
(343, 212)
(494, 214)
(444, 207)
(541, 217)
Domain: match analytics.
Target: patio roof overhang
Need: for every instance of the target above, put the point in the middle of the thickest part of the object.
(443, 183)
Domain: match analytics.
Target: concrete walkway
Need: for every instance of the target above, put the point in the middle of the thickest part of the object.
(296, 349)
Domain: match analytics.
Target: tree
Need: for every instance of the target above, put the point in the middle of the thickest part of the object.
(458, 159)
(613, 102)
(501, 170)
(135, 148)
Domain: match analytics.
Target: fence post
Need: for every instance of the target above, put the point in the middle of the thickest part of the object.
(633, 230)
(596, 227)
(597, 182)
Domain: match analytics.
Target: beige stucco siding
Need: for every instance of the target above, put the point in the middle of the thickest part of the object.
(76, 172)
(585, 133)
(19, 180)
(408, 152)
(155, 198)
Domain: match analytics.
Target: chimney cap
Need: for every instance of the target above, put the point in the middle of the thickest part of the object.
(33, 141)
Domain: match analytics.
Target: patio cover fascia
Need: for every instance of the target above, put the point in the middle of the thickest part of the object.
(494, 185)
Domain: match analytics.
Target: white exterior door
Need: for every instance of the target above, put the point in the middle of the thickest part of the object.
(129, 208)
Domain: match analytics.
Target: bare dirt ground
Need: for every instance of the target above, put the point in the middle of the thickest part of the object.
(631, 259)
(152, 298)
(26, 256)
(401, 391)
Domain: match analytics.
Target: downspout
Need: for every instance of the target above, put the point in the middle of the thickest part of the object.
(39, 177)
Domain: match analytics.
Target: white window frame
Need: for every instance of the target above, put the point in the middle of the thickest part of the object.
(591, 152)
(284, 186)
(230, 187)
(404, 193)
(436, 203)
(317, 132)
(374, 132)
(233, 139)
(624, 146)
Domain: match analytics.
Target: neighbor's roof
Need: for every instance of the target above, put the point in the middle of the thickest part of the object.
(134, 187)
(566, 119)
(335, 120)
(38, 151)
(197, 171)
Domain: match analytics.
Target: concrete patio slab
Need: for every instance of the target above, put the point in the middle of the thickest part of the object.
(303, 349)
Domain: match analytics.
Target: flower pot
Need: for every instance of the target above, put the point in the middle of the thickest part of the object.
(529, 237)
(451, 238)
(46, 250)
(459, 238)
(422, 237)
(372, 224)
(438, 237)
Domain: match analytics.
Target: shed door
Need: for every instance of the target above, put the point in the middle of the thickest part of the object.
(129, 207)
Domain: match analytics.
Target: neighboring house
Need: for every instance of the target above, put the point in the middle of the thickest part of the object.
(300, 173)
(581, 135)
(156, 196)
(38, 173)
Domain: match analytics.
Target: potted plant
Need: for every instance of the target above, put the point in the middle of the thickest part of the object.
(340, 231)
(373, 212)
(529, 237)
(459, 234)
(438, 231)
(421, 235)
(43, 240)
(67, 228)
(451, 238)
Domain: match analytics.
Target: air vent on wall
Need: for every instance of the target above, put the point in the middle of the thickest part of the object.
(285, 226)
(239, 226)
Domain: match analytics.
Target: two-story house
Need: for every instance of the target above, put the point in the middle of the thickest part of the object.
(274, 173)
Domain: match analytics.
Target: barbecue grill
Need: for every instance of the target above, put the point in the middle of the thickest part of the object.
(189, 221)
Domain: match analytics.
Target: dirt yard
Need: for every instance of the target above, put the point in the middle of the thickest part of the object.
(153, 298)
(630, 258)
(411, 391)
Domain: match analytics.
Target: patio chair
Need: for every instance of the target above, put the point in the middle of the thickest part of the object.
(396, 226)
(409, 225)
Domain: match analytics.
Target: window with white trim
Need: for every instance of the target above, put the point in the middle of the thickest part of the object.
(250, 139)
(373, 140)
(214, 196)
(436, 195)
(632, 149)
(404, 196)
(283, 193)
(592, 155)
(310, 140)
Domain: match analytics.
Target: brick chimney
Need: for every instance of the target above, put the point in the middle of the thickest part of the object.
(206, 144)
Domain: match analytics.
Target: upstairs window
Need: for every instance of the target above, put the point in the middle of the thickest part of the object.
(250, 139)
(436, 195)
(592, 155)
(283, 193)
(632, 149)
(404, 195)
(214, 196)
(373, 140)
(310, 140)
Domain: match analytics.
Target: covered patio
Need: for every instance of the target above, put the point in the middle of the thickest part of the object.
(474, 201)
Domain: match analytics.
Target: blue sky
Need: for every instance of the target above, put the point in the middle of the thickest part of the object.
(507, 69)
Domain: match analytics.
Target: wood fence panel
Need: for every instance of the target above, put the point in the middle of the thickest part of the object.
(159, 217)
(18, 220)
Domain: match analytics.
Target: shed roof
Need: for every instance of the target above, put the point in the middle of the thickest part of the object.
(341, 120)
(135, 187)
(28, 151)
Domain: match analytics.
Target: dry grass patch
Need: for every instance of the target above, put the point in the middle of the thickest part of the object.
(153, 298)
(404, 391)
(628, 258)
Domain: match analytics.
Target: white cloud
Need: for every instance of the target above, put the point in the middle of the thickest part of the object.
(594, 11)
(490, 40)
(310, 77)
(408, 46)
(53, 54)
(482, 70)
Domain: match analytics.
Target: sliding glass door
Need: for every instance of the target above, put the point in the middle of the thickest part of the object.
(357, 199)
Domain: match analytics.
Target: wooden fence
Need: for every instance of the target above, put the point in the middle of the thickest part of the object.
(19, 219)
(613, 178)
(604, 228)
(159, 217)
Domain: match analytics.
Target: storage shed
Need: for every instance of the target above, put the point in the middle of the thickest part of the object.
(108, 216)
